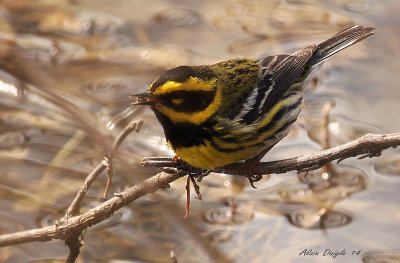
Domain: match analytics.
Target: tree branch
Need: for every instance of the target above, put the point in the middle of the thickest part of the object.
(369, 145)
(69, 228)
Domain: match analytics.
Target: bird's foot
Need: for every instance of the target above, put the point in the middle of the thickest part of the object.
(248, 169)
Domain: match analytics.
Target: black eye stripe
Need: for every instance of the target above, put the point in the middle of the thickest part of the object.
(189, 101)
(182, 94)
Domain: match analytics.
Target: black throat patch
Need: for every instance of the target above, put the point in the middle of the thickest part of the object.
(182, 134)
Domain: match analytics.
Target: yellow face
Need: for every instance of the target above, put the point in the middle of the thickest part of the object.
(193, 100)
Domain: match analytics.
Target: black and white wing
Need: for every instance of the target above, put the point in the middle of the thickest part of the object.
(278, 74)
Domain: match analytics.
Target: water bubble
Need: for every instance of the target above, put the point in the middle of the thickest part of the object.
(226, 215)
(319, 218)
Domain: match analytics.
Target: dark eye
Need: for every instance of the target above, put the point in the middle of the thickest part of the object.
(188, 101)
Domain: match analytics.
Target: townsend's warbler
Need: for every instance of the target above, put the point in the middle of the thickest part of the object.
(214, 115)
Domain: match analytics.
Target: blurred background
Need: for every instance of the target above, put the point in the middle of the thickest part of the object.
(68, 66)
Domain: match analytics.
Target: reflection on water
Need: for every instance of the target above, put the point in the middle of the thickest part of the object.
(94, 54)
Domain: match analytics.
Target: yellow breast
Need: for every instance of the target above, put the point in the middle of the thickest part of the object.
(207, 157)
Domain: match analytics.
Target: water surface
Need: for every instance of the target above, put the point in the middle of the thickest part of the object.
(95, 54)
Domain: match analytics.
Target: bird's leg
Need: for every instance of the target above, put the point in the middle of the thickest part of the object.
(196, 186)
(248, 166)
(196, 173)
(187, 196)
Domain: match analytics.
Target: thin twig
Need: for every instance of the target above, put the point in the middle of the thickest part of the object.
(73, 208)
(369, 145)
(133, 126)
(74, 243)
(109, 176)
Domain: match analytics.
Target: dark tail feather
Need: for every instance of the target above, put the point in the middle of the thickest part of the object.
(341, 40)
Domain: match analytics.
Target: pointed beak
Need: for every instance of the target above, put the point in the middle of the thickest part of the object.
(145, 98)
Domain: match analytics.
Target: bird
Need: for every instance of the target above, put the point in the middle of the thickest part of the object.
(238, 109)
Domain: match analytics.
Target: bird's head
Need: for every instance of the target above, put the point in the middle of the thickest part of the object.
(183, 94)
